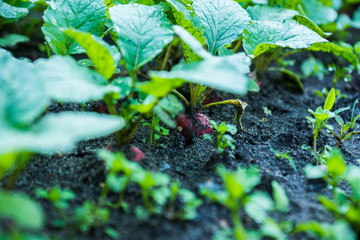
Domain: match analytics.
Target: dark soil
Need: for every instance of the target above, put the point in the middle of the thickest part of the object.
(285, 130)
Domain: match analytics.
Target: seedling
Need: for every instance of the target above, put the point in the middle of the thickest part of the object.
(267, 113)
(239, 194)
(223, 140)
(284, 156)
(324, 92)
(345, 127)
(83, 218)
(343, 206)
(321, 116)
(159, 195)
(156, 131)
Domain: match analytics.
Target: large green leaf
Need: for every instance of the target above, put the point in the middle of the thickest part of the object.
(318, 12)
(66, 81)
(337, 50)
(276, 14)
(267, 13)
(143, 31)
(8, 11)
(167, 109)
(104, 57)
(224, 73)
(260, 37)
(224, 21)
(189, 21)
(58, 132)
(25, 212)
(11, 40)
(22, 95)
(84, 15)
(191, 42)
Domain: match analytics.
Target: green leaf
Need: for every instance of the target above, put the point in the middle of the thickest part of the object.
(311, 25)
(58, 132)
(260, 37)
(160, 87)
(191, 42)
(267, 13)
(280, 198)
(190, 22)
(104, 56)
(66, 81)
(277, 14)
(337, 51)
(224, 21)
(257, 206)
(85, 15)
(353, 177)
(124, 85)
(336, 164)
(25, 212)
(318, 12)
(11, 40)
(22, 99)
(8, 11)
(167, 109)
(314, 172)
(330, 100)
(223, 51)
(143, 31)
(223, 73)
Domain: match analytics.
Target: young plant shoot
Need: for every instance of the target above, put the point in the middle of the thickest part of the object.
(223, 140)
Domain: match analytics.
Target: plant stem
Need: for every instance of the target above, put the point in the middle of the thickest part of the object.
(239, 231)
(152, 130)
(48, 50)
(238, 44)
(166, 58)
(194, 96)
(133, 78)
(231, 101)
(181, 97)
(205, 94)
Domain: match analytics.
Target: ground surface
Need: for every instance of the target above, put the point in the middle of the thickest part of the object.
(286, 130)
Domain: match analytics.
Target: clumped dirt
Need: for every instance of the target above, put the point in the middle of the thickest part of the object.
(194, 165)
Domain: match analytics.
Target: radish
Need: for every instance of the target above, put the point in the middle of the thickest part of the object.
(191, 126)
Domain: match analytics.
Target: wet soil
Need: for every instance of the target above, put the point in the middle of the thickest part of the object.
(194, 165)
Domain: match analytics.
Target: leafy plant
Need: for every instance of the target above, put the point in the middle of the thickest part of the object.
(239, 194)
(285, 155)
(321, 116)
(24, 102)
(343, 206)
(24, 214)
(156, 131)
(159, 195)
(345, 127)
(267, 112)
(83, 218)
(223, 140)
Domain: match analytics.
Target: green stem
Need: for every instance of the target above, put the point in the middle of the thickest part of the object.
(181, 97)
(166, 58)
(205, 94)
(194, 96)
(231, 101)
(152, 129)
(238, 44)
(239, 231)
(48, 50)
(133, 78)
(145, 197)
(103, 194)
